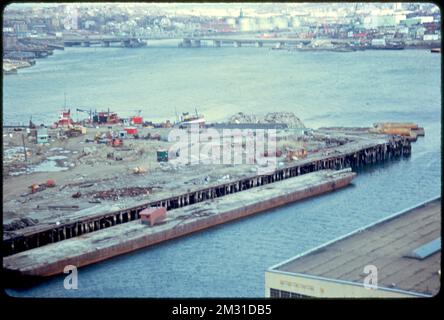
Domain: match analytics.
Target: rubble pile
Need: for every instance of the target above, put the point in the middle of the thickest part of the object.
(19, 224)
(288, 118)
(241, 117)
(115, 194)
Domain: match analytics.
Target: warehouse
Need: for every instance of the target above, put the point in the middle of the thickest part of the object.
(402, 253)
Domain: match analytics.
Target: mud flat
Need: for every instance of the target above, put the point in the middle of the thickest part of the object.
(103, 244)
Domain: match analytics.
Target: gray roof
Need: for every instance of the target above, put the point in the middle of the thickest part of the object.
(385, 245)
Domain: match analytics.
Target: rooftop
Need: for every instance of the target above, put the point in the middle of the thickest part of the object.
(390, 246)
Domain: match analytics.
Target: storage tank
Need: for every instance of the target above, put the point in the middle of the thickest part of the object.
(231, 22)
(280, 22)
(264, 24)
(247, 24)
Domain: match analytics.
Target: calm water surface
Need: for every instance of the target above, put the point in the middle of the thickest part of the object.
(322, 88)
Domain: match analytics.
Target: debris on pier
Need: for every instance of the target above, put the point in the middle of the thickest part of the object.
(21, 223)
(288, 118)
(409, 130)
(116, 194)
(93, 186)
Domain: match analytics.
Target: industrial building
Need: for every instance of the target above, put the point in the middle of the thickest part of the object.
(403, 253)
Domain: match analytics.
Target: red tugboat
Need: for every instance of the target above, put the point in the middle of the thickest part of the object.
(64, 119)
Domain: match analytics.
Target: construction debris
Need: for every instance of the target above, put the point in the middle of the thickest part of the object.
(58, 207)
(409, 130)
(19, 224)
(93, 176)
(115, 194)
(139, 170)
(35, 187)
(288, 118)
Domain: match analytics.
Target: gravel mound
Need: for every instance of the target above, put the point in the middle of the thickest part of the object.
(288, 118)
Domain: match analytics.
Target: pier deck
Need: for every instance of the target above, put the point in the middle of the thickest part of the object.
(100, 245)
(360, 150)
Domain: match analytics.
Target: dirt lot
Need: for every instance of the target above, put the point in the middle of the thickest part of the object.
(86, 168)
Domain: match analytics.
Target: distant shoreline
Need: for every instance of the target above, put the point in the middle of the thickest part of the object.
(11, 66)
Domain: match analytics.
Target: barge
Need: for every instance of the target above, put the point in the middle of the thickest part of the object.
(89, 248)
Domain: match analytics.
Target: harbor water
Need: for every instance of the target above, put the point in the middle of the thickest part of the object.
(322, 88)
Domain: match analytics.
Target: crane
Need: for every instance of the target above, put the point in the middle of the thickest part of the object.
(355, 19)
(89, 112)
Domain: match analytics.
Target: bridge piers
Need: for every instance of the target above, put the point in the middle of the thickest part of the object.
(279, 43)
(195, 43)
(186, 43)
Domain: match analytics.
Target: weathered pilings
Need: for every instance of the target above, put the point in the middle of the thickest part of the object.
(395, 148)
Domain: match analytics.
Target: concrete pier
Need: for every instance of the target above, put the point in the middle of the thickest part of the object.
(106, 243)
(353, 155)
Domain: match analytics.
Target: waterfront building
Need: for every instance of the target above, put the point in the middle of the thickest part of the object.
(399, 256)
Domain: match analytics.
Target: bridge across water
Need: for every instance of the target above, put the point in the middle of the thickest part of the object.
(86, 41)
(238, 42)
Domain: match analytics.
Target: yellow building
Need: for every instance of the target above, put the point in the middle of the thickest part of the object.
(399, 256)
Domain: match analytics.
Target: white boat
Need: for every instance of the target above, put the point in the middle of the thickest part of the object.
(187, 120)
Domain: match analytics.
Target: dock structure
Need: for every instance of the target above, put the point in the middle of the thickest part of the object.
(355, 154)
(38, 52)
(396, 257)
(109, 242)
